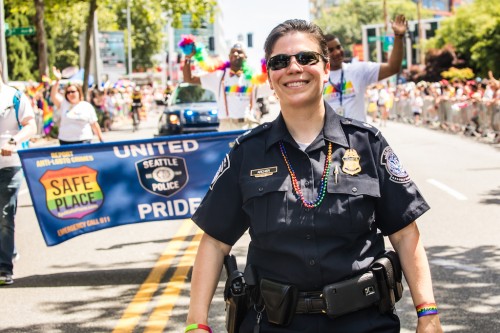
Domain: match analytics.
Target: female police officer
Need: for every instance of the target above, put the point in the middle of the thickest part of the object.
(317, 193)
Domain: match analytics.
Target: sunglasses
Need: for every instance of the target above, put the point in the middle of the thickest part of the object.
(304, 58)
(71, 92)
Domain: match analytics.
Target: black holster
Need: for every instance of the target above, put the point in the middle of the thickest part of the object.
(235, 295)
(387, 270)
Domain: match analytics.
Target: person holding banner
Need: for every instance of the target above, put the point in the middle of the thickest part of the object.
(79, 120)
(317, 193)
(17, 124)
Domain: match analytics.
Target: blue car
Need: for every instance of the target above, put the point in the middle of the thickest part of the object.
(190, 109)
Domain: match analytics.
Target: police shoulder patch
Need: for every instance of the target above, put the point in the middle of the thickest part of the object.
(361, 124)
(394, 167)
(252, 133)
(224, 166)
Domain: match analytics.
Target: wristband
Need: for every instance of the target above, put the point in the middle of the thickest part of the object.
(426, 309)
(400, 35)
(193, 327)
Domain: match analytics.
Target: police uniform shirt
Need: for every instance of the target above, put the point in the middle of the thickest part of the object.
(310, 247)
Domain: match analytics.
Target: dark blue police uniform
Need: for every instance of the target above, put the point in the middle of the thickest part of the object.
(368, 195)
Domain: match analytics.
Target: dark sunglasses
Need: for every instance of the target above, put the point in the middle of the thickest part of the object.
(304, 58)
(71, 92)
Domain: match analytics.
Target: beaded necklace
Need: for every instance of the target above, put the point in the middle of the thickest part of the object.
(295, 182)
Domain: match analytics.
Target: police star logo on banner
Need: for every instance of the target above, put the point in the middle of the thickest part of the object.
(72, 193)
(162, 176)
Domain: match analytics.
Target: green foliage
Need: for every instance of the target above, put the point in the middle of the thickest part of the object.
(474, 32)
(345, 21)
(460, 74)
(65, 22)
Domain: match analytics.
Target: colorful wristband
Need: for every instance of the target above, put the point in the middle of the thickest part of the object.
(426, 309)
(193, 327)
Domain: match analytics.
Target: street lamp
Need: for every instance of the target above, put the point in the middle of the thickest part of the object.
(129, 41)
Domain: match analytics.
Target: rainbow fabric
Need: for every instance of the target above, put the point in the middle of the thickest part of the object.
(43, 104)
(210, 64)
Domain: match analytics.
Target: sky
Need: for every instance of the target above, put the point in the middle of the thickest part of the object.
(258, 17)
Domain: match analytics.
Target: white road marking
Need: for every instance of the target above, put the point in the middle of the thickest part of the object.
(23, 192)
(454, 193)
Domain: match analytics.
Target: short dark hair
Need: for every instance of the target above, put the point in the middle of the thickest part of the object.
(295, 25)
(330, 37)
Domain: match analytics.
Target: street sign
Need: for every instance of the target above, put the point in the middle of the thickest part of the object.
(23, 31)
(372, 39)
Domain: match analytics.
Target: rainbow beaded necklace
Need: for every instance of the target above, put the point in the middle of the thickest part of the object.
(295, 183)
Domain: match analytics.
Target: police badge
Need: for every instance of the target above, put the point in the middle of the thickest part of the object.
(351, 162)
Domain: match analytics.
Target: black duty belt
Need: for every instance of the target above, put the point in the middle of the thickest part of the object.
(310, 302)
(341, 297)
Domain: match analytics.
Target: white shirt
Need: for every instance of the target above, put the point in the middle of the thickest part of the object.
(238, 92)
(356, 78)
(8, 123)
(76, 120)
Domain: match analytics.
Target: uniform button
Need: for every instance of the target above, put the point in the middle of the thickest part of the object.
(261, 189)
(312, 262)
(307, 183)
(307, 209)
(354, 189)
(308, 236)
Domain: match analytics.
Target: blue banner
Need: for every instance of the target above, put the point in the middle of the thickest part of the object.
(76, 189)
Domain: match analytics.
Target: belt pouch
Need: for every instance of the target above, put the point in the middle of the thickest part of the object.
(351, 295)
(280, 301)
(386, 302)
(397, 274)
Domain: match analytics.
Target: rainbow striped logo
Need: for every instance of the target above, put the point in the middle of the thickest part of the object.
(236, 89)
(335, 89)
(72, 193)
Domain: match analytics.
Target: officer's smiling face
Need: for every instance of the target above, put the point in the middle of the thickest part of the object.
(297, 85)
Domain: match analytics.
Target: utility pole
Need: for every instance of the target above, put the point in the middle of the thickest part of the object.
(420, 33)
(3, 45)
(129, 41)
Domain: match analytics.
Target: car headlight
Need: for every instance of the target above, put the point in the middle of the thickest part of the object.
(213, 112)
(174, 119)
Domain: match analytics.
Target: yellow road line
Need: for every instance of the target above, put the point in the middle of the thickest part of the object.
(162, 312)
(139, 304)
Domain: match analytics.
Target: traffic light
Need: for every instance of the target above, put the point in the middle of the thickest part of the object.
(211, 43)
(250, 39)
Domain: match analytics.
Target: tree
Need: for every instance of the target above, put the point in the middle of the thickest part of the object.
(474, 32)
(60, 23)
(345, 21)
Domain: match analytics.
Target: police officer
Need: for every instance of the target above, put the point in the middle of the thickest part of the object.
(317, 192)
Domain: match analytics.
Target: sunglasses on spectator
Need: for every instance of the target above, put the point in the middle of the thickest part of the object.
(303, 58)
(71, 92)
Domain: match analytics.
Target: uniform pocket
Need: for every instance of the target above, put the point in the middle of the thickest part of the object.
(354, 200)
(265, 202)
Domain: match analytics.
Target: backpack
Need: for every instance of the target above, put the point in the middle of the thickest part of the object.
(17, 102)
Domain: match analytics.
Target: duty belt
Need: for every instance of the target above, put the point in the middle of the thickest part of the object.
(356, 293)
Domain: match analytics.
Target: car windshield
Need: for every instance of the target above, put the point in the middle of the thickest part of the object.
(192, 94)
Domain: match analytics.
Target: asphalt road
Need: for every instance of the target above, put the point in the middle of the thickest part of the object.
(135, 278)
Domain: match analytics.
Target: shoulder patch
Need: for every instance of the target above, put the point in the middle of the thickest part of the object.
(252, 132)
(394, 167)
(361, 124)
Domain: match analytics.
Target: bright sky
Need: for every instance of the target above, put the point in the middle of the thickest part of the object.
(258, 17)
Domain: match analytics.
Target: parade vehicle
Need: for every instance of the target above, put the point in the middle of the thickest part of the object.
(190, 109)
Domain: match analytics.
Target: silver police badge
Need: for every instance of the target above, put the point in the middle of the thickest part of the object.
(162, 176)
(394, 167)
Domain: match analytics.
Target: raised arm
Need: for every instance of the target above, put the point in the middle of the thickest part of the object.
(55, 96)
(417, 273)
(393, 66)
(186, 70)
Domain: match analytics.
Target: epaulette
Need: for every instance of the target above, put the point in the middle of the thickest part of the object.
(361, 124)
(252, 133)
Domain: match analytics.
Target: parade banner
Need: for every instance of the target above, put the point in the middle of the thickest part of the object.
(76, 189)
